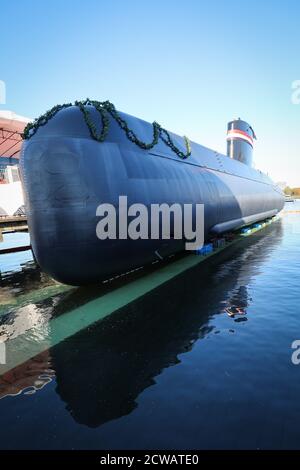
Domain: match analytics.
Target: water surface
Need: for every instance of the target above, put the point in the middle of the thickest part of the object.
(203, 361)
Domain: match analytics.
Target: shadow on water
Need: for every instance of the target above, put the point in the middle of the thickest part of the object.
(101, 371)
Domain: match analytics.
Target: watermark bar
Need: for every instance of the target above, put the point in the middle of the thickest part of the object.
(296, 354)
(158, 221)
(295, 97)
(2, 353)
(2, 92)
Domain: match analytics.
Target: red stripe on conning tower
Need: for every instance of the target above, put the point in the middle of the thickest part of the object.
(238, 134)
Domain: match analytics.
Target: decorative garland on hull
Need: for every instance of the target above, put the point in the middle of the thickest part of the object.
(104, 108)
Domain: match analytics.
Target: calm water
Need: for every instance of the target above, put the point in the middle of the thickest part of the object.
(204, 361)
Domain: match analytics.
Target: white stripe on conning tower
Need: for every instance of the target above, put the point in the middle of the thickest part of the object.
(237, 134)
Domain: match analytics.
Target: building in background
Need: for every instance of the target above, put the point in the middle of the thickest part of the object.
(11, 194)
(282, 185)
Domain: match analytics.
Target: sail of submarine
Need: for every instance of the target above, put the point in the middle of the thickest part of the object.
(66, 174)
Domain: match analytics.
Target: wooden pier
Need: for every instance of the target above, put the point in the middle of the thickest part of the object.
(15, 223)
(9, 224)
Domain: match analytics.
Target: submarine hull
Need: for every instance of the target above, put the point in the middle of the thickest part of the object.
(66, 175)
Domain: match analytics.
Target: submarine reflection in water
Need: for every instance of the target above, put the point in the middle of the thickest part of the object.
(100, 373)
(99, 377)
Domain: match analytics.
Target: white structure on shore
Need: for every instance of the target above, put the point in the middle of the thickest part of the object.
(11, 194)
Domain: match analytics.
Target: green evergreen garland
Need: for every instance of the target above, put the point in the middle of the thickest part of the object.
(104, 108)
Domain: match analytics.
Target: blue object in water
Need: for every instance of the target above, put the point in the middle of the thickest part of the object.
(246, 230)
(205, 249)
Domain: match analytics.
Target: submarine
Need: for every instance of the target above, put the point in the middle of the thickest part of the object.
(80, 155)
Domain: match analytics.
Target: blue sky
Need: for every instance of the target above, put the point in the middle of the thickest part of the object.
(191, 65)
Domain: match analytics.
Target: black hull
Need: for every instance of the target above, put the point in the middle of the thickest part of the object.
(66, 175)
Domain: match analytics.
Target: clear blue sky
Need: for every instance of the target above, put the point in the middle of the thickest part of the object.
(191, 65)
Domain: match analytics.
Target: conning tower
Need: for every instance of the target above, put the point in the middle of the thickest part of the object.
(240, 137)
